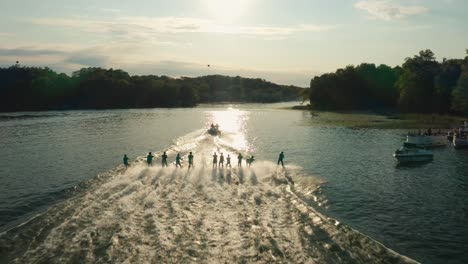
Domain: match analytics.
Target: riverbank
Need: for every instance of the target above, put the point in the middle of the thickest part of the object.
(362, 119)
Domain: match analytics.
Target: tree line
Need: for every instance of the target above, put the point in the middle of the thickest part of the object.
(37, 88)
(421, 84)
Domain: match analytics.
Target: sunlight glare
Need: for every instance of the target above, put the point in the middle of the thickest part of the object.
(226, 10)
(229, 120)
(232, 125)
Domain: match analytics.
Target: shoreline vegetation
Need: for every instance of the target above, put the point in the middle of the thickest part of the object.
(39, 89)
(382, 120)
(420, 85)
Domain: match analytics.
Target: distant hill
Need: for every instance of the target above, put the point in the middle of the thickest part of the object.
(218, 88)
(36, 88)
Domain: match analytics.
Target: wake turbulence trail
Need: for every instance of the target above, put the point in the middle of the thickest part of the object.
(167, 215)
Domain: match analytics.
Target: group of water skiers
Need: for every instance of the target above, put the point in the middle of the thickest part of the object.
(216, 162)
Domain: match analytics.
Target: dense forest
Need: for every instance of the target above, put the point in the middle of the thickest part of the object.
(32, 88)
(421, 84)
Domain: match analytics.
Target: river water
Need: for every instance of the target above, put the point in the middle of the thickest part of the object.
(340, 188)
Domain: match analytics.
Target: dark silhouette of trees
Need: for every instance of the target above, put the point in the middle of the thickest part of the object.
(421, 84)
(32, 89)
(218, 88)
(416, 83)
(363, 87)
(460, 93)
(444, 83)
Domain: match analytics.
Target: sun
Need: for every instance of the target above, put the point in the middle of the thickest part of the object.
(226, 10)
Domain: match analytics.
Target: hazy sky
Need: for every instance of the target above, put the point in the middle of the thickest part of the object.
(285, 41)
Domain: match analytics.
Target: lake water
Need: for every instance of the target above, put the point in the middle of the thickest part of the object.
(343, 173)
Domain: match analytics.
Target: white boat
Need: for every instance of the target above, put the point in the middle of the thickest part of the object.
(410, 153)
(425, 141)
(460, 141)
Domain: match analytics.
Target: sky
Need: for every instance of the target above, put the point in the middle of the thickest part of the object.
(284, 41)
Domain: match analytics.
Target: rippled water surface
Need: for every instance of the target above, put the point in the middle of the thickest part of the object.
(419, 211)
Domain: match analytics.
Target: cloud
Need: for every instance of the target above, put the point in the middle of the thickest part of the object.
(144, 26)
(94, 56)
(36, 56)
(29, 52)
(87, 59)
(389, 10)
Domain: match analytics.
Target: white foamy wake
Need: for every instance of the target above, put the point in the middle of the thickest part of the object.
(206, 215)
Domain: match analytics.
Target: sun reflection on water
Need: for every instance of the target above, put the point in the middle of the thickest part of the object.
(232, 123)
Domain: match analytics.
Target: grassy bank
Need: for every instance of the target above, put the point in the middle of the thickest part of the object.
(387, 121)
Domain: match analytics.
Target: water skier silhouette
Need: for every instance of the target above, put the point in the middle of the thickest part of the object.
(178, 159)
(190, 160)
(280, 159)
(215, 160)
(164, 159)
(149, 159)
(125, 160)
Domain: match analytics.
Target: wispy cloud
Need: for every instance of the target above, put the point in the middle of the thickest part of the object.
(172, 25)
(389, 10)
(87, 59)
(144, 45)
(45, 54)
(29, 52)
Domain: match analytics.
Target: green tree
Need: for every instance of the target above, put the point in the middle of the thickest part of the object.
(444, 83)
(31, 88)
(416, 83)
(460, 93)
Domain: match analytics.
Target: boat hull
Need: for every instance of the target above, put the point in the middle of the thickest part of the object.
(450, 137)
(408, 153)
(460, 143)
(413, 158)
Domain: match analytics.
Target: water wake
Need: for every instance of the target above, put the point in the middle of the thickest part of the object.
(204, 214)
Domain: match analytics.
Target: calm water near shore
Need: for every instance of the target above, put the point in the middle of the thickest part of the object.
(419, 211)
